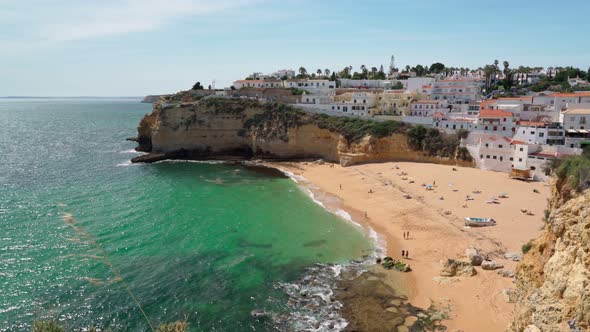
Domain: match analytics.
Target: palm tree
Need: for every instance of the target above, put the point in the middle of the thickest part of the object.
(302, 72)
(319, 72)
(327, 72)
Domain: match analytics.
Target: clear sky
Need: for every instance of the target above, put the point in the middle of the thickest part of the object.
(138, 47)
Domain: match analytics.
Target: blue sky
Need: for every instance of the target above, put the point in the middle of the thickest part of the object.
(138, 47)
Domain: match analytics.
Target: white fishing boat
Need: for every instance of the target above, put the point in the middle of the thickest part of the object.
(479, 222)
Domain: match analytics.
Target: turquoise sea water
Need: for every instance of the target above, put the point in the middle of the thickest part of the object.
(80, 228)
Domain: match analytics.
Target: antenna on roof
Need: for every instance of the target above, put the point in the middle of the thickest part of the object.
(213, 84)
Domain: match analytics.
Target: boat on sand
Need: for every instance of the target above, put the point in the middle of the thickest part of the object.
(479, 222)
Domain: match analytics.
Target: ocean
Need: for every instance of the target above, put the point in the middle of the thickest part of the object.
(90, 240)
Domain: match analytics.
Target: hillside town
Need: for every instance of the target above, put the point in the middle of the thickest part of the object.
(518, 120)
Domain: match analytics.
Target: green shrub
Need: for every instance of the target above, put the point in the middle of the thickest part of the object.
(527, 247)
(576, 171)
(354, 129)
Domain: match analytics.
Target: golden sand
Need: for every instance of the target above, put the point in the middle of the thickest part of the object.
(434, 219)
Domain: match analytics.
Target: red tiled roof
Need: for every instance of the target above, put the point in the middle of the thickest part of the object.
(514, 142)
(484, 104)
(517, 98)
(581, 94)
(494, 114)
(532, 123)
(494, 138)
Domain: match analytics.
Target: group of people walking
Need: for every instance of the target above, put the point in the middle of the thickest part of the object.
(406, 253)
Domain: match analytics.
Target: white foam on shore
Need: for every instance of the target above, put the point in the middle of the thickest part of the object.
(380, 243)
(132, 151)
(312, 196)
(178, 161)
(127, 163)
(346, 216)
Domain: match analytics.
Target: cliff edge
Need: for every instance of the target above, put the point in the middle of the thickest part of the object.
(553, 279)
(231, 128)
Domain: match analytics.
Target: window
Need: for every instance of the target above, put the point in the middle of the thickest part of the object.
(494, 157)
(504, 119)
(503, 128)
(541, 134)
(501, 158)
(521, 149)
(481, 156)
(519, 159)
(511, 159)
(488, 157)
(487, 145)
(532, 132)
(355, 101)
(500, 146)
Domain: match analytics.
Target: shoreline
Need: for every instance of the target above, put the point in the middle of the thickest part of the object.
(436, 229)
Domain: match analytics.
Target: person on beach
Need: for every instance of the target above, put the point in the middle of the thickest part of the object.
(340, 187)
(403, 253)
(407, 235)
(407, 254)
(404, 235)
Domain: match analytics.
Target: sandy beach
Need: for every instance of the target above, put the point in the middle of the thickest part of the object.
(374, 195)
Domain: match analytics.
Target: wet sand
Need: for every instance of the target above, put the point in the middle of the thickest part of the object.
(374, 195)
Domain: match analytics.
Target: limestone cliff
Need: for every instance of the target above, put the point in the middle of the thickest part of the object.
(228, 127)
(553, 280)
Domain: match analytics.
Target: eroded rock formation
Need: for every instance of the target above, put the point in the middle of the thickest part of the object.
(553, 278)
(217, 128)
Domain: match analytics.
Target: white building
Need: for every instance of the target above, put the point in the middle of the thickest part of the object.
(576, 118)
(416, 84)
(367, 84)
(577, 127)
(540, 133)
(428, 107)
(240, 84)
(494, 152)
(456, 90)
(497, 122)
(284, 72)
(352, 103)
(312, 86)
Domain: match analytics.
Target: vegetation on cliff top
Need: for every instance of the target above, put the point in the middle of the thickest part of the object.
(574, 170)
(354, 129)
(438, 144)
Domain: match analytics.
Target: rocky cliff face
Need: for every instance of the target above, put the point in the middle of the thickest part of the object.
(553, 279)
(215, 127)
